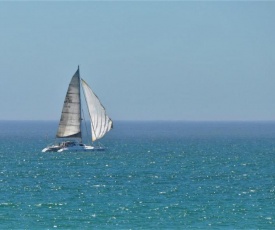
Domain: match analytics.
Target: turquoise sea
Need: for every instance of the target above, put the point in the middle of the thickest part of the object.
(154, 175)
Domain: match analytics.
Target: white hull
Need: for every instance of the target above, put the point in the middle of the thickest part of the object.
(72, 147)
(86, 148)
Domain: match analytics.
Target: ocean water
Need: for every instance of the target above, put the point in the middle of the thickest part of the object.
(154, 175)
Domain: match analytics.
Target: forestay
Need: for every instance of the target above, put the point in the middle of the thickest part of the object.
(100, 122)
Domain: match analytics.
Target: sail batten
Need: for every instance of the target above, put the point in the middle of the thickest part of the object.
(70, 121)
(100, 122)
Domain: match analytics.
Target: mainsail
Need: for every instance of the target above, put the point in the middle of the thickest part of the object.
(100, 122)
(70, 121)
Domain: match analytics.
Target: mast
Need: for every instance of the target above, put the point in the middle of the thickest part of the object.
(80, 104)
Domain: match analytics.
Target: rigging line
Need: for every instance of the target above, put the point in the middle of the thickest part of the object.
(79, 94)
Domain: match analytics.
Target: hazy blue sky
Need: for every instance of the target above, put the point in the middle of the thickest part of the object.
(145, 60)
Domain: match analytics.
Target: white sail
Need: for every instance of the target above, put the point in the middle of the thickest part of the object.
(70, 121)
(100, 122)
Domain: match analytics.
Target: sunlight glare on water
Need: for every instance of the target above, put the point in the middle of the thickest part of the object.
(167, 175)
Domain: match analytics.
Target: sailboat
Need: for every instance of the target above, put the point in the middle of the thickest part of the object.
(70, 125)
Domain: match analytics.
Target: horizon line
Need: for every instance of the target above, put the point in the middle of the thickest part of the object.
(147, 120)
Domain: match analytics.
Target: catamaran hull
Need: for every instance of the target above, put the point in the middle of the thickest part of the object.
(50, 149)
(81, 149)
(74, 149)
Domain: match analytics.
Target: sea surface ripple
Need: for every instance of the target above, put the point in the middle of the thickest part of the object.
(154, 175)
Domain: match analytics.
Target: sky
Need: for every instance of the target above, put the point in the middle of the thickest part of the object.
(157, 60)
